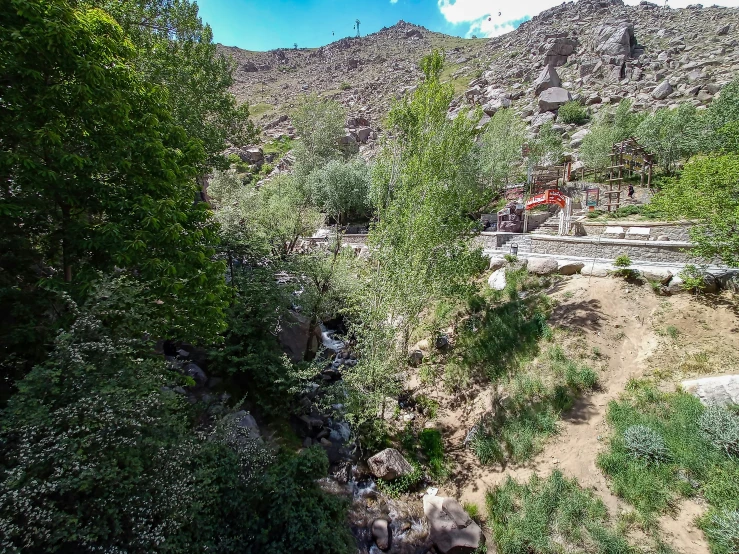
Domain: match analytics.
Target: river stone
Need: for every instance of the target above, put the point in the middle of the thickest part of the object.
(389, 464)
(542, 266)
(715, 390)
(381, 533)
(566, 267)
(497, 280)
(451, 529)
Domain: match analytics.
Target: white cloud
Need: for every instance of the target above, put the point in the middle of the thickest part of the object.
(486, 18)
(490, 18)
(393, 1)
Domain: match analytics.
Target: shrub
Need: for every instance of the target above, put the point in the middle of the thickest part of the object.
(645, 444)
(345, 86)
(693, 464)
(722, 530)
(403, 484)
(572, 112)
(721, 428)
(693, 279)
(622, 263)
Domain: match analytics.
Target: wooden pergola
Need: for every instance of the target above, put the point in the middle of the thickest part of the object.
(627, 155)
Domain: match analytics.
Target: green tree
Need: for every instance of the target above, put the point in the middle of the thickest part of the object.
(319, 124)
(597, 145)
(269, 220)
(502, 142)
(546, 148)
(96, 177)
(174, 49)
(722, 119)
(340, 189)
(425, 189)
(671, 134)
(707, 191)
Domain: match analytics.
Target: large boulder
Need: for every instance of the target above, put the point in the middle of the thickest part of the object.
(614, 38)
(675, 286)
(548, 78)
(578, 137)
(196, 373)
(542, 266)
(245, 421)
(496, 263)
(656, 274)
(596, 270)
(662, 91)
(553, 98)
(294, 335)
(497, 280)
(715, 390)
(389, 464)
(567, 267)
(451, 529)
(381, 533)
(558, 50)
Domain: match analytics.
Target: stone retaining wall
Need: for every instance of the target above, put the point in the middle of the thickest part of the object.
(676, 231)
(651, 251)
(488, 241)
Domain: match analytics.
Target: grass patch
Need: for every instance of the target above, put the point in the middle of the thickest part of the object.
(523, 422)
(433, 449)
(425, 450)
(697, 459)
(552, 515)
(259, 109)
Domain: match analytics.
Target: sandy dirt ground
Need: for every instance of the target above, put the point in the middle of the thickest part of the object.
(637, 334)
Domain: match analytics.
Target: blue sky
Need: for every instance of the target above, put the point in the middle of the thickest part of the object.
(268, 24)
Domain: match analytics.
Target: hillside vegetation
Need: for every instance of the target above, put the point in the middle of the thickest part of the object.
(196, 358)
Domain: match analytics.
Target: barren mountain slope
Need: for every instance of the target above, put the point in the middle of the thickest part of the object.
(603, 51)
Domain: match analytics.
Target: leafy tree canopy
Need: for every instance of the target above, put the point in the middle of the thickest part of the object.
(175, 49)
(96, 177)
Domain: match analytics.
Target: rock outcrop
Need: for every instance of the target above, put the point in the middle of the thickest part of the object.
(451, 529)
(389, 464)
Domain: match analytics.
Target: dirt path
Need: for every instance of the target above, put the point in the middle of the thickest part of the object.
(626, 325)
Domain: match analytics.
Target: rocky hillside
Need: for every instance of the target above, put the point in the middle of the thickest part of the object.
(601, 51)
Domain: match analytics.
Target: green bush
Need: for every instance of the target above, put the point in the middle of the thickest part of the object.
(403, 484)
(544, 516)
(721, 427)
(345, 86)
(623, 263)
(572, 112)
(693, 279)
(98, 453)
(694, 464)
(433, 448)
(722, 530)
(645, 444)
